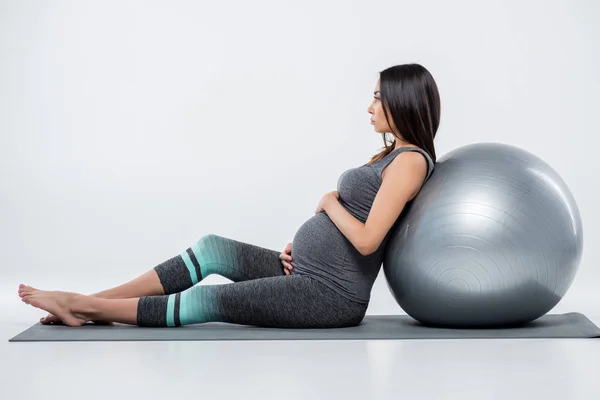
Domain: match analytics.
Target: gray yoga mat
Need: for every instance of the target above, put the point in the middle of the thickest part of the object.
(373, 327)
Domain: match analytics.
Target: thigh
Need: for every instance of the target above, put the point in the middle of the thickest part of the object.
(236, 260)
(284, 302)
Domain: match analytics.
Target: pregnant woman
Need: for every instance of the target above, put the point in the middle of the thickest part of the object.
(322, 279)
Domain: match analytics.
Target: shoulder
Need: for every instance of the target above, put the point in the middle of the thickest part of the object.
(407, 163)
(411, 158)
(407, 171)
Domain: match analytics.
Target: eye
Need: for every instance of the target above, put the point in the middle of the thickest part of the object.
(376, 98)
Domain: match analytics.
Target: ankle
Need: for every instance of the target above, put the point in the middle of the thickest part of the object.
(82, 304)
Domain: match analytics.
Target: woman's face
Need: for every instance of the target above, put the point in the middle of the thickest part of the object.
(377, 117)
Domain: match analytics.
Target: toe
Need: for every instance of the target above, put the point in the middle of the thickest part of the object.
(28, 290)
(48, 319)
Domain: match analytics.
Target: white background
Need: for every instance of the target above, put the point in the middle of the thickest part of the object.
(130, 129)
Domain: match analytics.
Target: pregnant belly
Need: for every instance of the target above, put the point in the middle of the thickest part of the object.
(318, 244)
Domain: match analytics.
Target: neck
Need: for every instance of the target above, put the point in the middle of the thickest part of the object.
(400, 144)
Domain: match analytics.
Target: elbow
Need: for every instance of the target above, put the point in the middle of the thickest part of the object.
(366, 250)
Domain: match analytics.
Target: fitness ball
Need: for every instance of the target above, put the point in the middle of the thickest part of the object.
(494, 238)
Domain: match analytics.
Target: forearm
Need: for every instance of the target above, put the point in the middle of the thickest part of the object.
(351, 228)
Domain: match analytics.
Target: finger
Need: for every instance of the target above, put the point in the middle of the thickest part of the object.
(285, 271)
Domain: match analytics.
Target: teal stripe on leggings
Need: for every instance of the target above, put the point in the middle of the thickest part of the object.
(190, 266)
(171, 310)
(185, 312)
(201, 255)
(197, 304)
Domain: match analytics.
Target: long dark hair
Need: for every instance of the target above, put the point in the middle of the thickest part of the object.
(409, 93)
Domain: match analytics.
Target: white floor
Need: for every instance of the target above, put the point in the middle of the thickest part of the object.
(428, 369)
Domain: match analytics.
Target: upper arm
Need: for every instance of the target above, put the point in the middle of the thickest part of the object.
(403, 179)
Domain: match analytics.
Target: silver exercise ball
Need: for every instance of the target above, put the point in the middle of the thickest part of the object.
(494, 238)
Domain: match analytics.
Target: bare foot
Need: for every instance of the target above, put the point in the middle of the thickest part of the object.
(51, 319)
(55, 302)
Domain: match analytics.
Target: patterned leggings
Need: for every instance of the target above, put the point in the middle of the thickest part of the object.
(260, 295)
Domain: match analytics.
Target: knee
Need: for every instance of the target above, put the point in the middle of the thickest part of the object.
(209, 239)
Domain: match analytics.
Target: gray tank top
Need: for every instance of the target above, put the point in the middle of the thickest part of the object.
(320, 249)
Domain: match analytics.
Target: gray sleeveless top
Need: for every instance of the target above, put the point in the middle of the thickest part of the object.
(320, 250)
